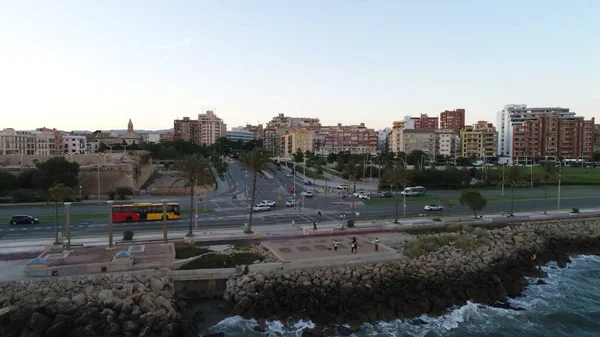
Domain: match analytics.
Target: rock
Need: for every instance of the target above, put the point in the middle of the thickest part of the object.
(32, 287)
(112, 329)
(79, 299)
(39, 322)
(217, 334)
(59, 329)
(156, 284)
(147, 306)
(129, 326)
(104, 295)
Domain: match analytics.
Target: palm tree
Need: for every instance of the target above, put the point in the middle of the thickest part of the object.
(192, 169)
(352, 169)
(256, 160)
(396, 175)
(513, 177)
(58, 193)
(547, 173)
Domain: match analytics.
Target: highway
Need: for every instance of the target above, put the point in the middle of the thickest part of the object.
(230, 209)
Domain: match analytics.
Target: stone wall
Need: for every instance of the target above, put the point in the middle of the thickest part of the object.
(409, 287)
(117, 305)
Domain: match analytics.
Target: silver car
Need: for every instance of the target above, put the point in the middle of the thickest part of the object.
(433, 208)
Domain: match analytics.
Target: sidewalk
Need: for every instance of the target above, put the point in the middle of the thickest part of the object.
(267, 232)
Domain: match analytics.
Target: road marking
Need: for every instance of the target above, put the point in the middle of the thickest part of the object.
(24, 229)
(12, 229)
(80, 226)
(37, 228)
(47, 227)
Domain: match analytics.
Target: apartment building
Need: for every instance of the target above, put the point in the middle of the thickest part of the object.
(212, 128)
(452, 120)
(256, 130)
(425, 122)
(395, 138)
(479, 140)
(74, 144)
(597, 137)
(419, 139)
(167, 137)
(206, 130)
(296, 139)
(270, 141)
(187, 129)
(382, 141)
(353, 138)
(447, 143)
(554, 135)
(57, 138)
(26, 142)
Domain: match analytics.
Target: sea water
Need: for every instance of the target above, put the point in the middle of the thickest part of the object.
(568, 304)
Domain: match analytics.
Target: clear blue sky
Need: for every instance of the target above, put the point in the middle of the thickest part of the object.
(95, 64)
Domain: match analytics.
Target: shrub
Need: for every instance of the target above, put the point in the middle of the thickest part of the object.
(123, 192)
(187, 252)
(481, 232)
(575, 210)
(127, 236)
(460, 227)
(111, 195)
(436, 219)
(350, 223)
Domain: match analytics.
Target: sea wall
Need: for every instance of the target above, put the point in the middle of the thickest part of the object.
(487, 273)
(107, 305)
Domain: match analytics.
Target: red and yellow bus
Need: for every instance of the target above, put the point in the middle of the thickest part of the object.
(144, 212)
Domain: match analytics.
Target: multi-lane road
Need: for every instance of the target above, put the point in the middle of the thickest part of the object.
(230, 209)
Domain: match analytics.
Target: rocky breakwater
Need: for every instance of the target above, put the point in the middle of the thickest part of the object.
(124, 305)
(437, 272)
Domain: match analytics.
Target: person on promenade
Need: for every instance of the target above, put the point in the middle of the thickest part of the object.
(315, 226)
(354, 245)
(335, 245)
(376, 244)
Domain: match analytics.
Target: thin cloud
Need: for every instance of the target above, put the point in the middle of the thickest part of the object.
(177, 44)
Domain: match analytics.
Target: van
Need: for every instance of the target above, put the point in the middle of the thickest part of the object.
(414, 191)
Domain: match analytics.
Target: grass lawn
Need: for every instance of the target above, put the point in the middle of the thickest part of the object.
(187, 252)
(575, 175)
(221, 261)
(309, 173)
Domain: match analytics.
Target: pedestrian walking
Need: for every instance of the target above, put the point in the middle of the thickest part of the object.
(354, 246)
(315, 226)
(319, 213)
(376, 244)
(341, 216)
(335, 245)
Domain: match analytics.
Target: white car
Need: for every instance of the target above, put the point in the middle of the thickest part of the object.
(291, 203)
(365, 196)
(289, 175)
(261, 208)
(433, 208)
(269, 203)
(342, 187)
(307, 194)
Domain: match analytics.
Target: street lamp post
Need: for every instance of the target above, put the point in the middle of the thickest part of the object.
(68, 223)
(503, 179)
(196, 211)
(559, 179)
(80, 187)
(164, 220)
(110, 223)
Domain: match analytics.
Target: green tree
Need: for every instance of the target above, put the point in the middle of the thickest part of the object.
(548, 171)
(59, 192)
(192, 170)
(332, 157)
(473, 199)
(352, 169)
(58, 170)
(417, 158)
(298, 156)
(513, 176)
(397, 176)
(256, 160)
(8, 182)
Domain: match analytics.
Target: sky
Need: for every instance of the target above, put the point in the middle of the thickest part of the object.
(76, 65)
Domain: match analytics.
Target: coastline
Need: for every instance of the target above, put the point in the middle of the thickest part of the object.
(429, 284)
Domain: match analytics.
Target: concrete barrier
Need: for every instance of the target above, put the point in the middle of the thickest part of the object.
(202, 274)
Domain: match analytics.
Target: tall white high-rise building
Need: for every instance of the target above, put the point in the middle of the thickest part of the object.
(505, 128)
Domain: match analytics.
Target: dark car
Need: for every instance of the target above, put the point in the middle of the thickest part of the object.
(387, 195)
(22, 219)
(308, 183)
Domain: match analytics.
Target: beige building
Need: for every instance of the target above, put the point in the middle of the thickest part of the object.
(29, 143)
(211, 128)
(395, 139)
(447, 143)
(206, 130)
(297, 139)
(479, 140)
(419, 139)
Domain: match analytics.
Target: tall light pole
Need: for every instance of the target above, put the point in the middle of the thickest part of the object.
(503, 179)
(196, 211)
(559, 178)
(80, 187)
(164, 220)
(110, 223)
(68, 224)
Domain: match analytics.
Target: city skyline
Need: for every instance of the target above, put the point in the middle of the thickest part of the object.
(82, 66)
